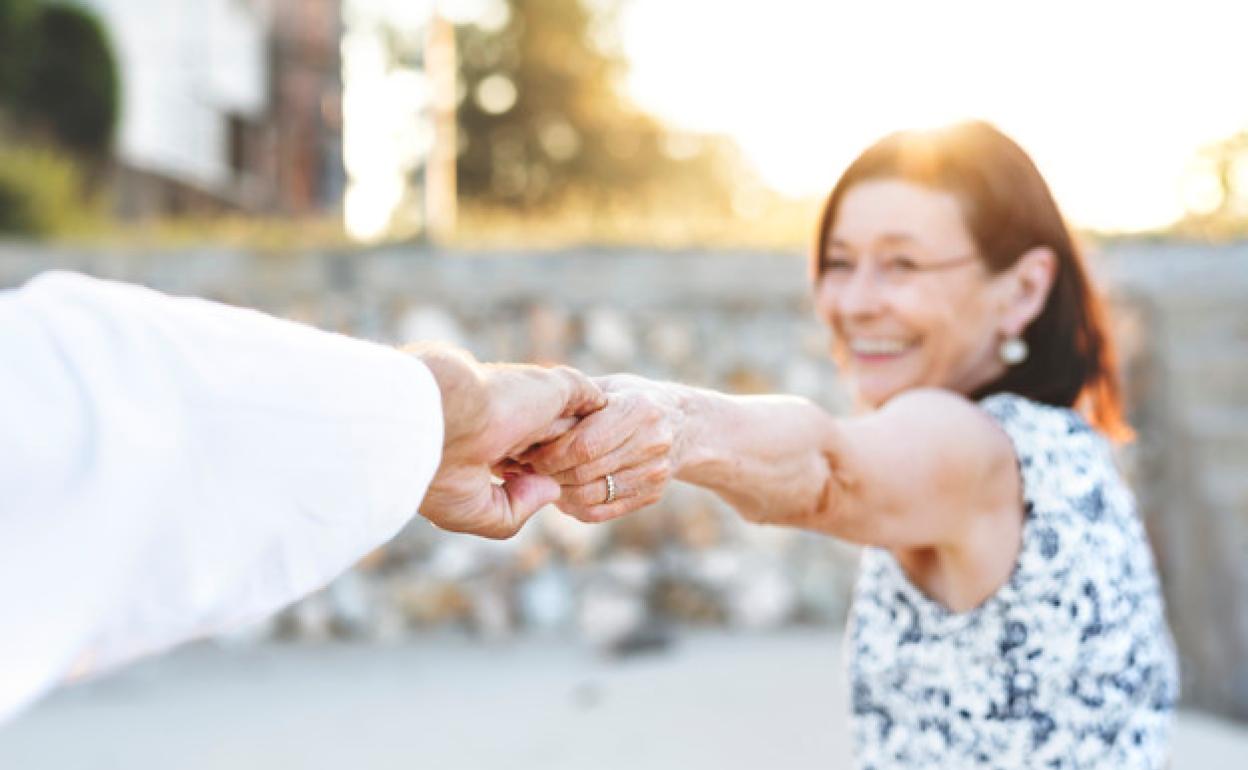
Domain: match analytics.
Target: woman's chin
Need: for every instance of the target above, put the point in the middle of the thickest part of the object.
(872, 393)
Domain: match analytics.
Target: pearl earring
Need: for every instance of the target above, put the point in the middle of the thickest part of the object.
(1013, 351)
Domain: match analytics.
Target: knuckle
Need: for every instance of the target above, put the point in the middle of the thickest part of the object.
(665, 440)
(653, 415)
(583, 449)
(658, 474)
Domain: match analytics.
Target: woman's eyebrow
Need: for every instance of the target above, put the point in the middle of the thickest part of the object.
(896, 237)
(889, 238)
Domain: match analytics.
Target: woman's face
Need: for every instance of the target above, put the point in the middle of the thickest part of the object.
(909, 301)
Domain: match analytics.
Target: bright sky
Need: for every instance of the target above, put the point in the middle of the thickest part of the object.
(1112, 98)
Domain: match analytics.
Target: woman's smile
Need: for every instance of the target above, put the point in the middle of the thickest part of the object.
(879, 349)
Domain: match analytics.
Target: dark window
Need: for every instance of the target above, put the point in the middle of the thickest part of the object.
(237, 133)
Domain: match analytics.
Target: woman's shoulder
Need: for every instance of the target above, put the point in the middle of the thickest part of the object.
(1034, 425)
(1024, 412)
(1058, 452)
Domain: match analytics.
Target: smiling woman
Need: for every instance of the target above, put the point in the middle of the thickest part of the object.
(1007, 611)
(963, 191)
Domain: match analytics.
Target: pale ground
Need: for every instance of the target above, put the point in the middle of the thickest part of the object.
(711, 701)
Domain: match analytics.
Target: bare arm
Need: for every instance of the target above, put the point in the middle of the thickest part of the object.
(919, 472)
(922, 471)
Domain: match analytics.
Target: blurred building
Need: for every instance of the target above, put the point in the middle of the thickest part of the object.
(227, 105)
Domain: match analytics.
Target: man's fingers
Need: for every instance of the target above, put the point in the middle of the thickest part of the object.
(552, 431)
(511, 504)
(610, 383)
(526, 494)
(508, 468)
(584, 396)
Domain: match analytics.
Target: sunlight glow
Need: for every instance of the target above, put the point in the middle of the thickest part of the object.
(1112, 99)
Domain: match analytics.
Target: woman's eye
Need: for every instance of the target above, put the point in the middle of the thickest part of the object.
(838, 265)
(901, 264)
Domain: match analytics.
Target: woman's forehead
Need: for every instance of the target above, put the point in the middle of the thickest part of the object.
(897, 212)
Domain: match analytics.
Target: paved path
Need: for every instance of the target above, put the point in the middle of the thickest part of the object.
(712, 701)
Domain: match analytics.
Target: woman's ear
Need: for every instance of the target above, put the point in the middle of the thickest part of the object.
(1028, 284)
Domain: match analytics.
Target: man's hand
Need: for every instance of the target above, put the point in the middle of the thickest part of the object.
(494, 412)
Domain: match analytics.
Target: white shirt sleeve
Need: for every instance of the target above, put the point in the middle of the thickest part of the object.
(175, 467)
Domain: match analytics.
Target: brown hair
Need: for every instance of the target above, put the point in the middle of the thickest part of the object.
(1009, 210)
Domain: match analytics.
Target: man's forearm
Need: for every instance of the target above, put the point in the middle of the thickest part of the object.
(173, 467)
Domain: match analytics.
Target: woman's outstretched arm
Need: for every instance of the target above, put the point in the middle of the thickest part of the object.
(927, 469)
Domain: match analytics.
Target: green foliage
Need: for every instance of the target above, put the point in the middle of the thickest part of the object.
(15, 22)
(69, 89)
(569, 132)
(42, 193)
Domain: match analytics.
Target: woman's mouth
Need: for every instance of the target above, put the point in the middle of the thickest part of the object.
(878, 349)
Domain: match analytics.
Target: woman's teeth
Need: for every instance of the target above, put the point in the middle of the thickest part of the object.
(877, 347)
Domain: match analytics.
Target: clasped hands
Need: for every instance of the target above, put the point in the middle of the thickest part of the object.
(552, 435)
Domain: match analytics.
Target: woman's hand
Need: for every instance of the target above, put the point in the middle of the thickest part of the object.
(636, 438)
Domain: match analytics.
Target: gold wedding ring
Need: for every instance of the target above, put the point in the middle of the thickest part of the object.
(611, 489)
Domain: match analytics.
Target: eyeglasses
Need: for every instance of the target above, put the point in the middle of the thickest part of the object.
(891, 269)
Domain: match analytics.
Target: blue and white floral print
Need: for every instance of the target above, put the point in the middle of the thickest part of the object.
(1068, 665)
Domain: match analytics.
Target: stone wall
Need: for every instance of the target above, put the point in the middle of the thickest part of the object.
(740, 322)
(1183, 316)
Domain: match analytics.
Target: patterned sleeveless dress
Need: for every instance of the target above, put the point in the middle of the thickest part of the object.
(1069, 665)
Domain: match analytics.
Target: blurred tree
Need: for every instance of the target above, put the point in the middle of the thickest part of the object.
(542, 120)
(68, 87)
(42, 193)
(16, 17)
(58, 107)
(1219, 177)
(541, 115)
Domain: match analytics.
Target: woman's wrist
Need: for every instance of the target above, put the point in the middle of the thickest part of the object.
(693, 454)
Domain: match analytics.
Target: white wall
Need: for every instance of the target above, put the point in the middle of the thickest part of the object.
(185, 65)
